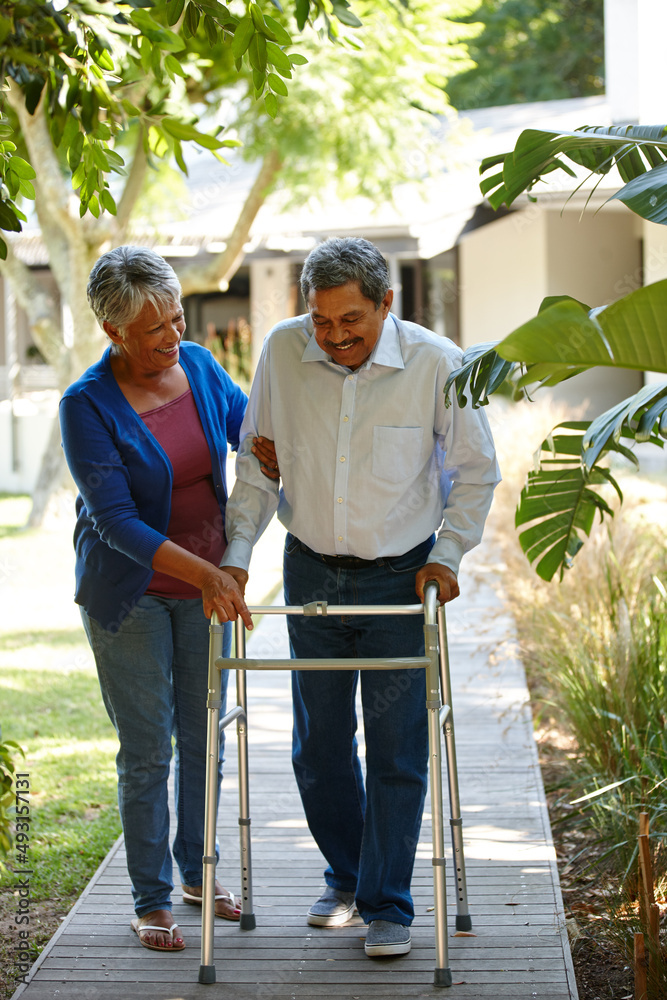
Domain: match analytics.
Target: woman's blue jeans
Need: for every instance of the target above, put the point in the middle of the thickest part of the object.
(154, 678)
(368, 836)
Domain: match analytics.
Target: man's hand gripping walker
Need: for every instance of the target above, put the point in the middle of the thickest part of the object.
(436, 664)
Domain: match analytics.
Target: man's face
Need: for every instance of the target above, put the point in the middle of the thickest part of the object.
(347, 325)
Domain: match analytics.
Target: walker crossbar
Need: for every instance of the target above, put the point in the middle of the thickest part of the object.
(435, 663)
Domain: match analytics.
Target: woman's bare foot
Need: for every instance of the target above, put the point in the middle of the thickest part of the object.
(227, 905)
(148, 930)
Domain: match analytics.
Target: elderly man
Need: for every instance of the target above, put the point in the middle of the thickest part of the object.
(373, 463)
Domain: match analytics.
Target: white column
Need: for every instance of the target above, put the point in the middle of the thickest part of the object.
(272, 298)
(13, 368)
(634, 32)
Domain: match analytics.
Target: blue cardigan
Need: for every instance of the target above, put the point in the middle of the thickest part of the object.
(125, 478)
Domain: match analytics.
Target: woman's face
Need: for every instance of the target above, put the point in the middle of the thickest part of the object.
(150, 343)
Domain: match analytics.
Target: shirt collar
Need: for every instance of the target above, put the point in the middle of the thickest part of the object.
(386, 352)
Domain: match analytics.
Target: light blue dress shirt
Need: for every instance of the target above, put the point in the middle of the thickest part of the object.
(372, 461)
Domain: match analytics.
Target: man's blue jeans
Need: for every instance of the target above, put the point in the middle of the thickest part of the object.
(154, 678)
(368, 836)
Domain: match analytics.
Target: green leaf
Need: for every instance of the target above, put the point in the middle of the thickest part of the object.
(277, 85)
(257, 53)
(21, 167)
(174, 9)
(243, 35)
(483, 371)
(257, 16)
(271, 104)
(132, 109)
(344, 14)
(178, 156)
(302, 12)
(75, 150)
(107, 201)
(629, 333)
(9, 218)
(561, 506)
(279, 34)
(191, 20)
(297, 59)
(278, 58)
(3, 249)
(172, 65)
(539, 152)
(646, 195)
(211, 30)
(155, 32)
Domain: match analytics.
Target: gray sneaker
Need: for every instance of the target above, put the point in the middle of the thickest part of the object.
(387, 938)
(332, 909)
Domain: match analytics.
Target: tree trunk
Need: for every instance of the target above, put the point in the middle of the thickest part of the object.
(51, 474)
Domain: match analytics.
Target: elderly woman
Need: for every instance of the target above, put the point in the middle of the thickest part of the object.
(145, 432)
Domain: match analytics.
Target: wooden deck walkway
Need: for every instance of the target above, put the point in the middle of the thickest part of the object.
(520, 948)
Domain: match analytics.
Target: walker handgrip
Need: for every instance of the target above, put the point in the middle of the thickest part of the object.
(431, 592)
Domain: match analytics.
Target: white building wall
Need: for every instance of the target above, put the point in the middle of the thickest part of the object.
(596, 258)
(23, 439)
(502, 276)
(271, 298)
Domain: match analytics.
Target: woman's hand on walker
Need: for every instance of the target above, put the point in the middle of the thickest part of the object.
(448, 586)
(221, 593)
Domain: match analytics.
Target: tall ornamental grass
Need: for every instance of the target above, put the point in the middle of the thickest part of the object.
(595, 650)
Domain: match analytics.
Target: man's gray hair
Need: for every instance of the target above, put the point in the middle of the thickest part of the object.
(123, 280)
(340, 260)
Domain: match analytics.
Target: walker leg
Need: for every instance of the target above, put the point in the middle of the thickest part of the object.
(463, 919)
(214, 703)
(442, 974)
(248, 922)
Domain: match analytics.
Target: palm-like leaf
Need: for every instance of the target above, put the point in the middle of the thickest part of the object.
(638, 152)
(558, 502)
(483, 370)
(637, 416)
(566, 337)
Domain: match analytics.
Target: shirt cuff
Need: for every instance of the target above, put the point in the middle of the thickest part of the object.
(447, 552)
(237, 553)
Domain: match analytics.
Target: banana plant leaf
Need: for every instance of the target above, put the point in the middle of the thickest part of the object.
(636, 415)
(558, 503)
(484, 370)
(635, 150)
(566, 337)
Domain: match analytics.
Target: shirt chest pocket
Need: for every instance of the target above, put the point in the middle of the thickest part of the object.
(397, 452)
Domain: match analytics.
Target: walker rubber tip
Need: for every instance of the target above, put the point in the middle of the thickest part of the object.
(248, 922)
(463, 922)
(442, 977)
(207, 974)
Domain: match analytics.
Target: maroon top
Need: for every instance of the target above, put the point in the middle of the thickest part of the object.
(195, 522)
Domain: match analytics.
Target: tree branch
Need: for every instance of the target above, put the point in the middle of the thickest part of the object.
(217, 274)
(53, 193)
(133, 185)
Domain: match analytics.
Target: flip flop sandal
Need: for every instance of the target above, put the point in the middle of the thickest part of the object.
(139, 929)
(233, 901)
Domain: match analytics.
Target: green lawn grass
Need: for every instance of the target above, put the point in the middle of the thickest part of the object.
(51, 705)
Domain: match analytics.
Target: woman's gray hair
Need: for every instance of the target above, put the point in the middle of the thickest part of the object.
(123, 280)
(340, 260)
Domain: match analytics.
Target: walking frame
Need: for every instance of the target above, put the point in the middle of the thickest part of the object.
(436, 664)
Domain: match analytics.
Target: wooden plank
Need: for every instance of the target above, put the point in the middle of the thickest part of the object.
(519, 950)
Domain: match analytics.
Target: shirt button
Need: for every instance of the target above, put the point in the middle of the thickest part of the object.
(345, 419)
(342, 458)
(350, 378)
(340, 499)
(340, 538)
